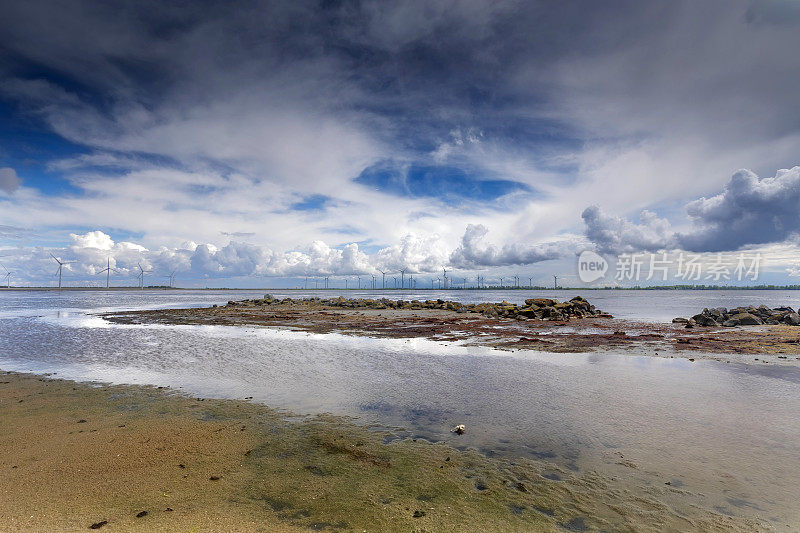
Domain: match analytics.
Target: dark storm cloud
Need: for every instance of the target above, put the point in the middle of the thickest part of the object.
(614, 234)
(748, 211)
(409, 71)
(619, 103)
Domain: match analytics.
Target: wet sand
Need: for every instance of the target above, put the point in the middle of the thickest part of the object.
(76, 455)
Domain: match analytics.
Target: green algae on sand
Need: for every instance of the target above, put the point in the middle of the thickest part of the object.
(229, 465)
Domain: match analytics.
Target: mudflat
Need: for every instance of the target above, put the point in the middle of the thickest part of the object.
(499, 325)
(127, 458)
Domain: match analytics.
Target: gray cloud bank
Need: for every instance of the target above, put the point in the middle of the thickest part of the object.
(748, 211)
(283, 100)
(9, 181)
(473, 253)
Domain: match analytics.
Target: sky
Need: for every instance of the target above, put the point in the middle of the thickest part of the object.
(257, 144)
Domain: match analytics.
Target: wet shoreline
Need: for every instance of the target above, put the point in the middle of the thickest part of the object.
(82, 454)
(616, 437)
(777, 344)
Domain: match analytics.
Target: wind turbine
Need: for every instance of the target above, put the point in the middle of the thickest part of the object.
(142, 272)
(444, 275)
(402, 278)
(384, 277)
(373, 283)
(8, 277)
(171, 279)
(395, 281)
(60, 266)
(107, 270)
(555, 282)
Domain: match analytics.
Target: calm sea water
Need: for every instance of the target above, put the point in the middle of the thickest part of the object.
(728, 434)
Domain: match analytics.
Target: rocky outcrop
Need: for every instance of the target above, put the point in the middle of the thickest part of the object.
(534, 308)
(742, 316)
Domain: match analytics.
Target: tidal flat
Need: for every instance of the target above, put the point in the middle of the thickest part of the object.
(542, 324)
(125, 458)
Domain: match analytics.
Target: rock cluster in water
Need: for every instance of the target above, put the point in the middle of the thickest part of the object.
(534, 308)
(742, 316)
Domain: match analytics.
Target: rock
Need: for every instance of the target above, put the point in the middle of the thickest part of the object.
(141, 514)
(459, 429)
(747, 319)
(746, 316)
(793, 319)
(540, 302)
(680, 320)
(419, 514)
(98, 525)
(704, 319)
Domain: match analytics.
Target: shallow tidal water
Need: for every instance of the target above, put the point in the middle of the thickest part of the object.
(726, 434)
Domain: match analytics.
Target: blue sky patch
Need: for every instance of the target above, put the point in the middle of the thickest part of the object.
(314, 202)
(449, 184)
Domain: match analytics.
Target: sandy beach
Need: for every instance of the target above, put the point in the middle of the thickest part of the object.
(125, 458)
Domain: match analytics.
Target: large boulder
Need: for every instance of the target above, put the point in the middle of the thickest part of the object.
(743, 319)
(703, 319)
(793, 319)
(540, 302)
(529, 312)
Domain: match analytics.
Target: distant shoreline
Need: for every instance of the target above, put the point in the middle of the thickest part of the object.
(451, 289)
